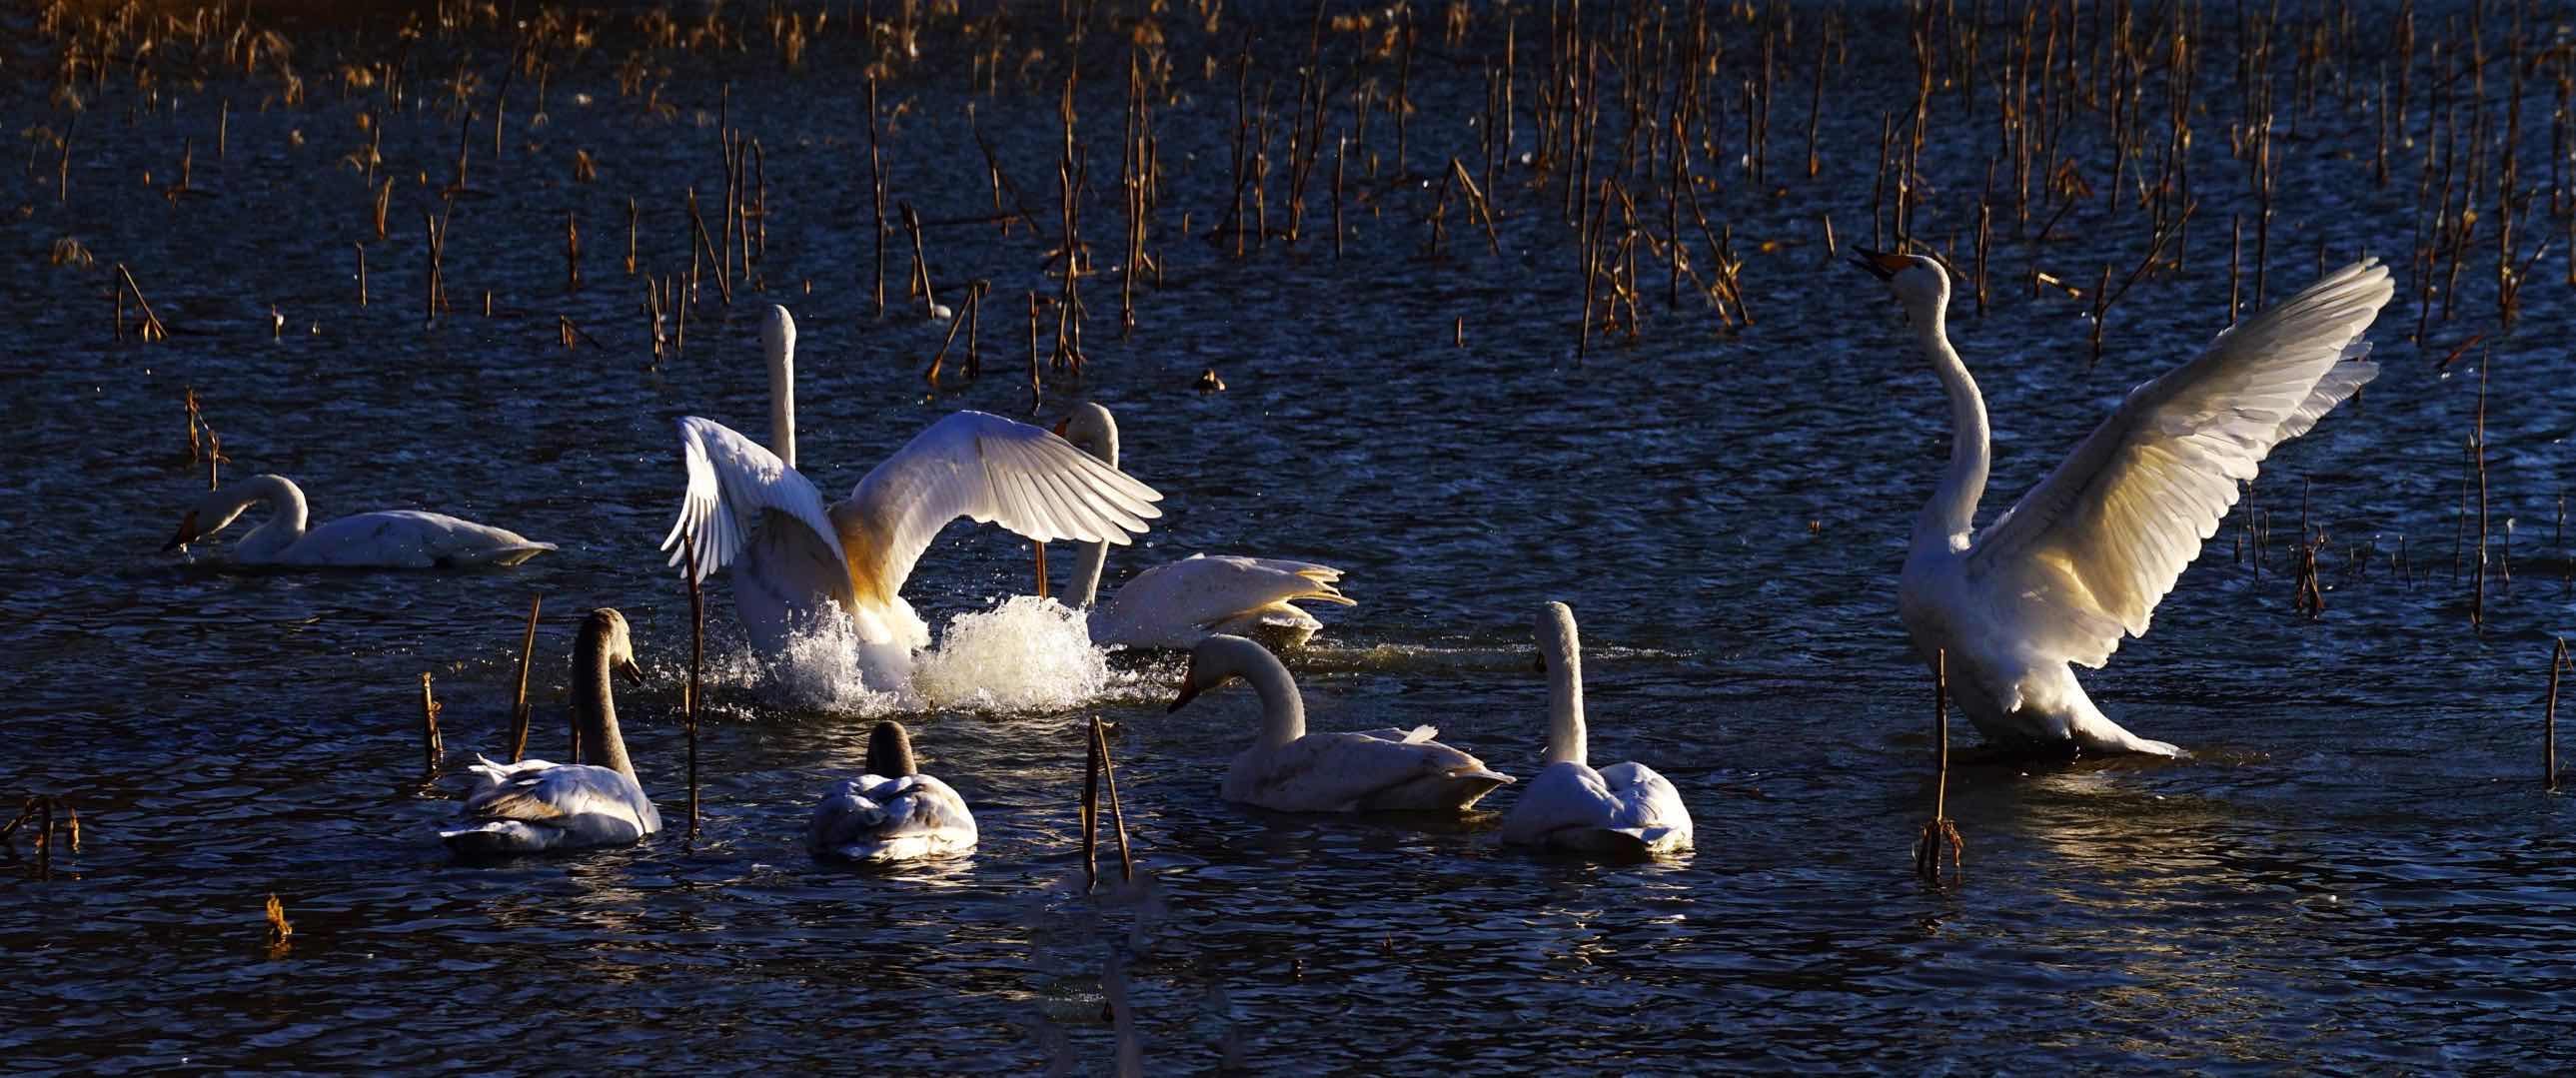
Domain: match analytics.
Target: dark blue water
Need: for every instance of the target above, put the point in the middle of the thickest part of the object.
(2357, 869)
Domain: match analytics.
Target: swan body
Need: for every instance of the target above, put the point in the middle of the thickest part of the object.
(796, 560)
(1620, 810)
(533, 806)
(1290, 770)
(1177, 604)
(392, 539)
(891, 813)
(2087, 554)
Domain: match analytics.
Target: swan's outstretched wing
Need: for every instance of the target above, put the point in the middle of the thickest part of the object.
(2087, 554)
(992, 470)
(747, 509)
(1177, 604)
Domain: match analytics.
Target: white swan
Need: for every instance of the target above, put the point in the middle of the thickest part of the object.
(2086, 555)
(392, 539)
(533, 805)
(794, 558)
(1291, 770)
(892, 813)
(1178, 604)
(1622, 809)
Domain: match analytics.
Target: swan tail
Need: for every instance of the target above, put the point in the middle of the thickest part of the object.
(504, 555)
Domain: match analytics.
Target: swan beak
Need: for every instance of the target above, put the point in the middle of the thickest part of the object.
(1061, 424)
(1189, 692)
(634, 674)
(1538, 665)
(186, 534)
(1886, 266)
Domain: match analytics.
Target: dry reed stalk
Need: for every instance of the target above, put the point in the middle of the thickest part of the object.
(1940, 835)
(432, 747)
(520, 712)
(697, 666)
(2549, 719)
(1117, 814)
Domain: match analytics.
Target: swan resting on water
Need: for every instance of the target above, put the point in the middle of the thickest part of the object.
(390, 539)
(2086, 555)
(1620, 810)
(891, 813)
(1290, 770)
(1177, 604)
(795, 560)
(533, 806)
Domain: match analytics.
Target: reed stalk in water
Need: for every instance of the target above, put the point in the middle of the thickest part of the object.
(1939, 834)
(431, 746)
(697, 666)
(1117, 815)
(2549, 720)
(519, 710)
(1090, 811)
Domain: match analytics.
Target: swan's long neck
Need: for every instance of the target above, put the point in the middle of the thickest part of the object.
(1566, 740)
(1283, 712)
(782, 397)
(286, 514)
(1949, 518)
(594, 705)
(1094, 432)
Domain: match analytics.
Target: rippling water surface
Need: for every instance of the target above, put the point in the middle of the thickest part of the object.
(2355, 871)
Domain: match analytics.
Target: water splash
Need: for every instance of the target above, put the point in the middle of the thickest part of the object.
(1024, 654)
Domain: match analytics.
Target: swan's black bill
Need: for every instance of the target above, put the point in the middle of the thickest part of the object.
(634, 674)
(186, 534)
(1189, 692)
(1880, 263)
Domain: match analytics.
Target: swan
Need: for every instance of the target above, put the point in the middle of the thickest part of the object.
(891, 813)
(1291, 770)
(391, 539)
(532, 805)
(2086, 555)
(1178, 604)
(795, 558)
(1622, 809)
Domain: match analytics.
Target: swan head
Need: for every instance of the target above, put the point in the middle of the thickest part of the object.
(1557, 642)
(1215, 661)
(609, 627)
(1091, 429)
(890, 751)
(778, 332)
(213, 511)
(1919, 281)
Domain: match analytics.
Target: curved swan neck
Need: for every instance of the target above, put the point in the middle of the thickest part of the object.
(1093, 430)
(778, 340)
(287, 515)
(1566, 736)
(1950, 516)
(594, 702)
(1283, 712)
(890, 751)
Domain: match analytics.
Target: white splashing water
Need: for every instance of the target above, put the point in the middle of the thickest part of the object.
(1025, 654)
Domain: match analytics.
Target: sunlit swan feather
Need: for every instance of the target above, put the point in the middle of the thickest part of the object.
(533, 806)
(795, 558)
(2086, 555)
(391, 539)
(1620, 810)
(1177, 604)
(891, 813)
(1291, 770)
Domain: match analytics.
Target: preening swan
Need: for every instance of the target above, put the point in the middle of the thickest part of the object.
(1178, 604)
(892, 813)
(533, 805)
(392, 539)
(1622, 809)
(1294, 771)
(2086, 555)
(794, 558)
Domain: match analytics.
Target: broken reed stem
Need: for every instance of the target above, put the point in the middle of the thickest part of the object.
(697, 664)
(2549, 720)
(431, 747)
(1117, 814)
(519, 710)
(1091, 808)
(921, 267)
(1939, 835)
(153, 330)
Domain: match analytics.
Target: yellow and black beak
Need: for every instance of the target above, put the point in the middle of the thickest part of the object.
(1189, 691)
(634, 674)
(1885, 265)
(1061, 424)
(186, 534)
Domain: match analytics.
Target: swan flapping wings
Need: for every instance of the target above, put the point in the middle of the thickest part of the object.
(2087, 554)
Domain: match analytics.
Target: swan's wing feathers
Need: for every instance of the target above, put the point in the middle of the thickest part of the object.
(2086, 555)
(991, 470)
(738, 489)
(555, 794)
(1338, 772)
(1176, 603)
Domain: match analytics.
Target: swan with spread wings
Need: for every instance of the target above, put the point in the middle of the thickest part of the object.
(2085, 557)
(795, 560)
